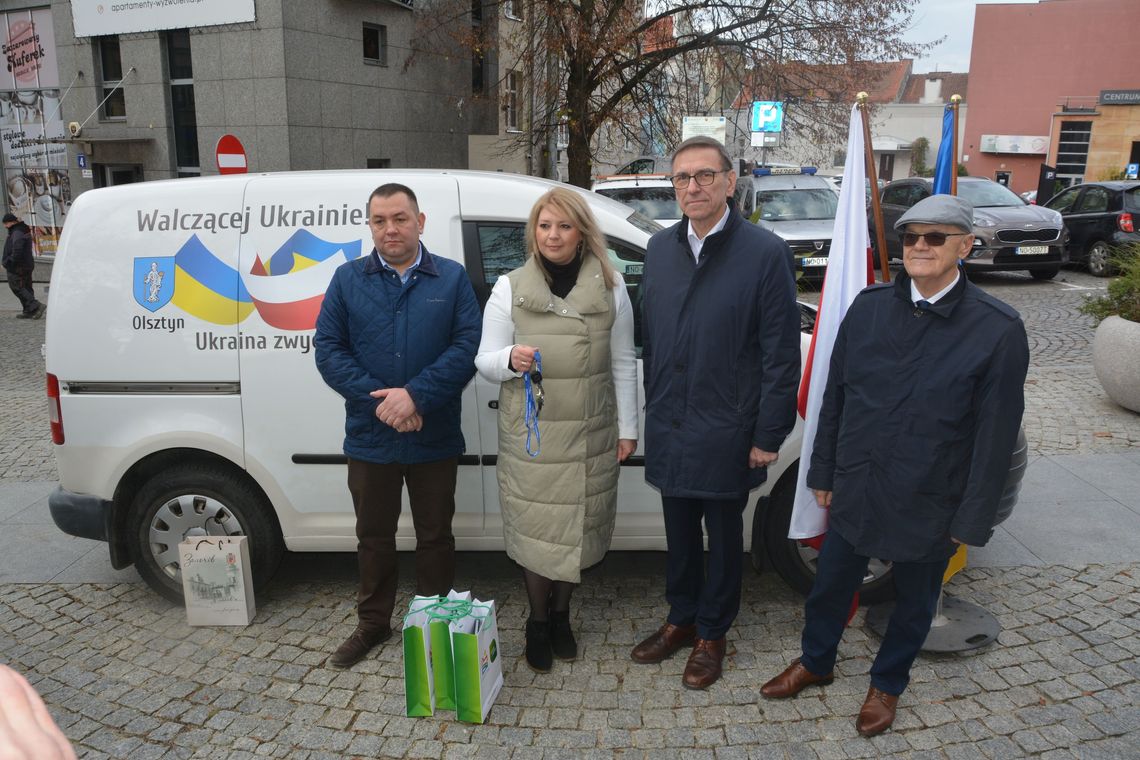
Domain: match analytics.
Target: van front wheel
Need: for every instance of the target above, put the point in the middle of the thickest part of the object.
(199, 500)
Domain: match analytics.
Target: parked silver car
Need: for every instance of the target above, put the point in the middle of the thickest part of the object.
(1009, 235)
(798, 206)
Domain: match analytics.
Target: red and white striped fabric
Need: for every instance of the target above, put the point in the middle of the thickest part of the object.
(848, 272)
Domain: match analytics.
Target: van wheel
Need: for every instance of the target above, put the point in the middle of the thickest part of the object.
(1044, 274)
(198, 500)
(796, 564)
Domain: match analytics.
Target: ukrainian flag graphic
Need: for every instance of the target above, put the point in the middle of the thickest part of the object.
(289, 286)
(207, 288)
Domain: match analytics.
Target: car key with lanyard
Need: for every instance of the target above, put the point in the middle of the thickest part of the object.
(532, 383)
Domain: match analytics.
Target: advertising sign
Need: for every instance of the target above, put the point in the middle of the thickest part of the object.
(1026, 144)
(36, 184)
(96, 17)
(1119, 97)
(29, 50)
(767, 116)
(712, 126)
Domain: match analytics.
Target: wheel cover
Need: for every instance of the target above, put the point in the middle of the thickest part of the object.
(1098, 257)
(185, 516)
(876, 568)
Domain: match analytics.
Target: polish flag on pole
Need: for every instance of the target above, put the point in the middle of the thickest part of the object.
(849, 270)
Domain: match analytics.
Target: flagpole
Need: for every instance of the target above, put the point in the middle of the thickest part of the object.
(876, 206)
(954, 100)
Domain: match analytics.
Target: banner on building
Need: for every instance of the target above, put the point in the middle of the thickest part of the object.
(97, 17)
(36, 185)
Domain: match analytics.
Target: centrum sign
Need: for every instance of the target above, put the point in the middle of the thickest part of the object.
(96, 17)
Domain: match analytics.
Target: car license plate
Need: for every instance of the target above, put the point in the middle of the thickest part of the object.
(1032, 250)
(815, 261)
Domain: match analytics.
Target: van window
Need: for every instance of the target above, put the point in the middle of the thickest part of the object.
(502, 247)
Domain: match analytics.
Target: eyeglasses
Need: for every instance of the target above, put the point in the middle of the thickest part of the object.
(933, 239)
(704, 178)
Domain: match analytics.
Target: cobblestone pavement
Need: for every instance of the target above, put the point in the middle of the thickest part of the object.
(126, 677)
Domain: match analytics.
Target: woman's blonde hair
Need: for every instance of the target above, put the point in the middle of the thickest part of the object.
(573, 206)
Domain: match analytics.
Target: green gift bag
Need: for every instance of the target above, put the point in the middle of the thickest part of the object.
(419, 690)
(478, 666)
(450, 614)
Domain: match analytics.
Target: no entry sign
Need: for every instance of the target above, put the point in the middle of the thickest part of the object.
(230, 155)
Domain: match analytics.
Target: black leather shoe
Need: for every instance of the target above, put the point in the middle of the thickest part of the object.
(562, 637)
(357, 645)
(539, 656)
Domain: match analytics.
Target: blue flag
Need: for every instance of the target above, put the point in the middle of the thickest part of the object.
(945, 166)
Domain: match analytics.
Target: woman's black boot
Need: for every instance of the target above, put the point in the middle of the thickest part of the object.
(561, 637)
(539, 656)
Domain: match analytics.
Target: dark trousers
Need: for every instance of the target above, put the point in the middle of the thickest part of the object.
(20, 284)
(711, 601)
(376, 494)
(838, 576)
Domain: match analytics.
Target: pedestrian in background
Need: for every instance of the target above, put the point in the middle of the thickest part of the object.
(567, 307)
(721, 352)
(917, 427)
(19, 261)
(396, 337)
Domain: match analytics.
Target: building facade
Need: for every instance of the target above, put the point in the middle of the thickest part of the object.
(1054, 82)
(105, 93)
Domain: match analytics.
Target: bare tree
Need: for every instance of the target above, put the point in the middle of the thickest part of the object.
(633, 68)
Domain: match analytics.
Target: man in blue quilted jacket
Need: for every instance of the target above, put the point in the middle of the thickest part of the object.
(396, 337)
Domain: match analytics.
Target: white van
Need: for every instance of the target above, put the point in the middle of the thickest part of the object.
(183, 391)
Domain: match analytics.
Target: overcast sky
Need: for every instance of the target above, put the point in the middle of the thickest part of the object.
(955, 20)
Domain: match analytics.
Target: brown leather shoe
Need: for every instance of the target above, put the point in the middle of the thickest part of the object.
(793, 680)
(358, 644)
(662, 644)
(704, 666)
(878, 712)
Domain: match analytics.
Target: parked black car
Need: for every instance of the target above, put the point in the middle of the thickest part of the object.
(1008, 233)
(1100, 216)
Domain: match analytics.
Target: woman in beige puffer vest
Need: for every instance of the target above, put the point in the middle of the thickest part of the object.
(558, 506)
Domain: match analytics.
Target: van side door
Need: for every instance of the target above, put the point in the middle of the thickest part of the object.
(303, 228)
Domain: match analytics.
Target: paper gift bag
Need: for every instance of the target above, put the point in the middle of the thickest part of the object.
(451, 614)
(478, 665)
(216, 581)
(419, 687)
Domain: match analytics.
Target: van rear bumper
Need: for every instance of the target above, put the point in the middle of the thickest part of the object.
(81, 515)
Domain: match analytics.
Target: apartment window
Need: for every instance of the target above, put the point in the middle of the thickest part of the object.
(511, 9)
(511, 101)
(376, 44)
(476, 12)
(478, 79)
(183, 116)
(110, 74)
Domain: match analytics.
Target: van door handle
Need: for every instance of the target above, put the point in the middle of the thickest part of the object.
(492, 404)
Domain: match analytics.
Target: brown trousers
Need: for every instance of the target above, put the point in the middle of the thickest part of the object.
(376, 492)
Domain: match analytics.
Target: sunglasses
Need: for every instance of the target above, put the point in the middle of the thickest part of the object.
(933, 239)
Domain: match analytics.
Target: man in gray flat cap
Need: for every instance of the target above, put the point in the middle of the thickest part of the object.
(919, 418)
